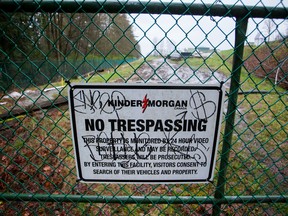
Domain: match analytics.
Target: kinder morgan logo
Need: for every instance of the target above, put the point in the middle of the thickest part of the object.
(146, 102)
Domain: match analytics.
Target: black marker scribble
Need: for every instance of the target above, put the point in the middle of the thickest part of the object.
(89, 141)
(87, 102)
(201, 109)
(198, 155)
(103, 147)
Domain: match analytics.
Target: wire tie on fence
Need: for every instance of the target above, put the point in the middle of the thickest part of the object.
(69, 84)
(221, 84)
(212, 19)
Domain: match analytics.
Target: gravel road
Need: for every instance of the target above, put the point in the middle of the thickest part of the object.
(166, 71)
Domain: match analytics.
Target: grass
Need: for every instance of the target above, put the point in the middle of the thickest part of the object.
(258, 156)
(121, 73)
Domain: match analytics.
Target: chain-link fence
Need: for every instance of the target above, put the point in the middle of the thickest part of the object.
(45, 43)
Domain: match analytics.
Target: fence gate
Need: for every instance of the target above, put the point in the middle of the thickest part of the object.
(242, 47)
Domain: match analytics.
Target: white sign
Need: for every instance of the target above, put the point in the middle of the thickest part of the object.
(145, 133)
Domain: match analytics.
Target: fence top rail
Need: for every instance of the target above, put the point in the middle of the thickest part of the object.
(150, 7)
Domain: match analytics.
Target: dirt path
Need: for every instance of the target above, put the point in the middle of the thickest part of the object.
(166, 71)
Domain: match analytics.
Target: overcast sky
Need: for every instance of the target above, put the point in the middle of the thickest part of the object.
(190, 31)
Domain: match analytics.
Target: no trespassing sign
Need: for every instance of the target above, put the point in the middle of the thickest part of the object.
(145, 133)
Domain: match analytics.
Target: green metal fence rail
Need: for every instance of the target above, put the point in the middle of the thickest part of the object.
(45, 43)
(149, 7)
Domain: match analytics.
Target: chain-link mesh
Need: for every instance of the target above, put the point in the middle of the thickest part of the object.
(45, 43)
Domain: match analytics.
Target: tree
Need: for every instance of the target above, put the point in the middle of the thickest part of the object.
(18, 35)
(269, 27)
(59, 40)
(120, 34)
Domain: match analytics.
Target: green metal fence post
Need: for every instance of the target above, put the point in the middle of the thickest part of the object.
(240, 38)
